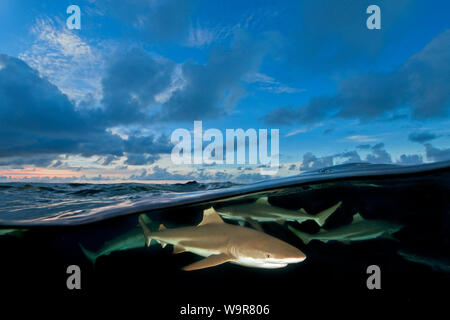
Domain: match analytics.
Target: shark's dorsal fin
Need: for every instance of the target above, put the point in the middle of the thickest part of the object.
(162, 227)
(357, 218)
(210, 216)
(263, 200)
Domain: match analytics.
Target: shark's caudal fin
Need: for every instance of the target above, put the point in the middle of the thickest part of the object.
(92, 256)
(306, 238)
(322, 216)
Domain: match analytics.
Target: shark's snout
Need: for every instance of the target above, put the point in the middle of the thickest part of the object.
(298, 258)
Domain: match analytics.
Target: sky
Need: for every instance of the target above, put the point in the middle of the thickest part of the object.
(100, 103)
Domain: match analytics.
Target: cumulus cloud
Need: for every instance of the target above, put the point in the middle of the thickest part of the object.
(436, 154)
(351, 156)
(411, 159)
(311, 162)
(422, 84)
(379, 155)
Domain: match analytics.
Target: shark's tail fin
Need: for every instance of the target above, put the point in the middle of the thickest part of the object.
(306, 238)
(322, 216)
(147, 232)
(92, 256)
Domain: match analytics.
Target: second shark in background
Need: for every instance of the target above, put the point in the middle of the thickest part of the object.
(360, 229)
(262, 211)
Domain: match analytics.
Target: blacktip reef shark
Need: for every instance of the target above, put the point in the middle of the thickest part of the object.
(263, 211)
(132, 239)
(360, 229)
(433, 263)
(12, 232)
(220, 242)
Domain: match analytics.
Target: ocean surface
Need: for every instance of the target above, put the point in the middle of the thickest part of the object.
(396, 218)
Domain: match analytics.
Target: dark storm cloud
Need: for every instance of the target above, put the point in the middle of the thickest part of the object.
(436, 154)
(38, 122)
(421, 137)
(422, 84)
(161, 20)
(363, 146)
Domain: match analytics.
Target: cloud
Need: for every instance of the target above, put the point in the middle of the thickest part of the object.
(130, 86)
(422, 84)
(412, 159)
(212, 90)
(64, 58)
(137, 159)
(352, 156)
(379, 155)
(311, 162)
(37, 121)
(267, 83)
(436, 154)
(141, 89)
(20, 162)
(422, 137)
(362, 138)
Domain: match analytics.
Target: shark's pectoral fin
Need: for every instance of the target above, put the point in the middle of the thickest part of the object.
(211, 261)
(178, 249)
(254, 224)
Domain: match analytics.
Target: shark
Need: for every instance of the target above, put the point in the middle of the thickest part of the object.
(433, 263)
(12, 232)
(263, 211)
(219, 242)
(360, 229)
(132, 239)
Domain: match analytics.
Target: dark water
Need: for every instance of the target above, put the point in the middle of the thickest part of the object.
(407, 237)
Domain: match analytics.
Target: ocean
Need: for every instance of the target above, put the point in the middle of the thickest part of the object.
(370, 233)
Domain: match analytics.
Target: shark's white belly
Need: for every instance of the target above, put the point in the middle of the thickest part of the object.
(243, 261)
(256, 263)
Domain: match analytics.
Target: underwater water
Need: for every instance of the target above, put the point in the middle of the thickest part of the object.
(342, 219)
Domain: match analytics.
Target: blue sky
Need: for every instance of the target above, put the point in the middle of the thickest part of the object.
(100, 103)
